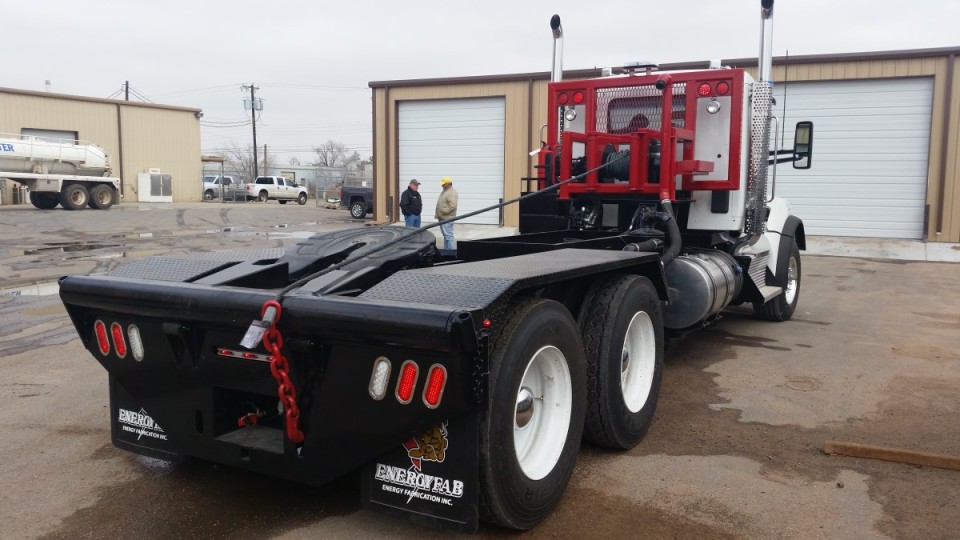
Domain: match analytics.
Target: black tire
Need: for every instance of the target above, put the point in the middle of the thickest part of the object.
(101, 197)
(782, 307)
(282, 201)
(74, 197)
(209, 195)
(358, 209)
(262, 197)
(520, 492)
(302, 199)
(44, 200)
(622, 385)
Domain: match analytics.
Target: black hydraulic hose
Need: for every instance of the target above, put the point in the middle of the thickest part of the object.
(673, 231)
(303, 281)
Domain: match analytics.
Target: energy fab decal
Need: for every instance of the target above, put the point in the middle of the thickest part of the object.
(413, 482)
(139, 423)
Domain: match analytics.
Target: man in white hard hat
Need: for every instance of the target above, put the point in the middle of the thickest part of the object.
(447, 209)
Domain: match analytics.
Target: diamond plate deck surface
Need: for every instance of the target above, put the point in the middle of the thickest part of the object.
(479, 284)
(188, 266)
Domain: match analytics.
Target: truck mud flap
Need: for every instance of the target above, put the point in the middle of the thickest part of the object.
(133, 429)
(432, 479)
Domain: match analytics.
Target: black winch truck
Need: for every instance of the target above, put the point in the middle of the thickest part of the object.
(463, 382)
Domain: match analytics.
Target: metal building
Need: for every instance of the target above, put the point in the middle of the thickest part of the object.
(886, 153)
(140, 138)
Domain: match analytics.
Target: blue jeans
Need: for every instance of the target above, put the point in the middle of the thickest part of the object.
(412, 221)
(447, 231)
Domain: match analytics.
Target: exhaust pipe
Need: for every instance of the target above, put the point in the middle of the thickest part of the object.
(755, 215)
(766, 42)
(556, 75)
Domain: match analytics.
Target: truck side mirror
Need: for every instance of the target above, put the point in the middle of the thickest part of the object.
(803, 145)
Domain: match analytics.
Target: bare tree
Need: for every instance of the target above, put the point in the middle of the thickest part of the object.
(294, 161)
(335, 154)
(240, 159)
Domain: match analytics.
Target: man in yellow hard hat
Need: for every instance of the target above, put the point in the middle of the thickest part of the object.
(447, 209)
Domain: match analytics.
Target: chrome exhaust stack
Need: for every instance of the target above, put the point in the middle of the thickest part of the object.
(766, 42)
(761, 104)
(556, 75)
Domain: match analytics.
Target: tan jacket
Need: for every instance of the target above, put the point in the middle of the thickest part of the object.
(447, 204)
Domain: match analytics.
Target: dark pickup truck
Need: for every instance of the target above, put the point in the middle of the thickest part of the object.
(358, 199)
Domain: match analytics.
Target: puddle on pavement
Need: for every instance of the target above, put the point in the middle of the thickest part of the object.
(36, 289)
(69, 247)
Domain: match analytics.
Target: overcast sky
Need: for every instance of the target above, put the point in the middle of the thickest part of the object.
(313, 60)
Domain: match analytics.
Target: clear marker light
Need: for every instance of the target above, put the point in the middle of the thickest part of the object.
(379, 378)
(136, 344)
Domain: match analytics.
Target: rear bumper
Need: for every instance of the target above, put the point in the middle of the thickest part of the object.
(184, 398)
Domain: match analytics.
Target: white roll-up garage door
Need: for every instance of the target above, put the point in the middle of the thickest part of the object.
(459, 138)
(870, 152)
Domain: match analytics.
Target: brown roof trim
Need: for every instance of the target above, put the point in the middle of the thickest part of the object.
(72, 97)
(704, 64)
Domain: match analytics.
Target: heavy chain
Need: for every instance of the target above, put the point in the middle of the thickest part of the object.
(280, 368)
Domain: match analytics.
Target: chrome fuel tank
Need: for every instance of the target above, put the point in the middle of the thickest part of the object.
(700, 284)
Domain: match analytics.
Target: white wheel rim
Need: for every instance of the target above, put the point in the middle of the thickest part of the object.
(542, 419)
(638, 361)
(792, 280)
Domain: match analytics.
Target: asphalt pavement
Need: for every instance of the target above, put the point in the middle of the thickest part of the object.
(735, 449)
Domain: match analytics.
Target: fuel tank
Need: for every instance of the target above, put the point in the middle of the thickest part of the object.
(701, 284)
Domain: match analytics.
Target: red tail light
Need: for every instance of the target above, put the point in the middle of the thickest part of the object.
(103, 341)
(436, 381)
(119, 344)
(704, 89)
(722, 88)
(563, 98)
(578, 97)
(407, 382)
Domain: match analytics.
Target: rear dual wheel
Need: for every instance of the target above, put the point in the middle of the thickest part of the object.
(622, 326)
(101, 197)
(44, 200)
(74, 197)
(531, 429)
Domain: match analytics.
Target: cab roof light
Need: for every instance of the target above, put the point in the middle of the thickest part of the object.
(103, 341)
(436, 382)
(119, 345)
(407, 382)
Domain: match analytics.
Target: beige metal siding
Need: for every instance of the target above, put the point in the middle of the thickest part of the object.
(525, 115)
(515, 137)
(166, 140)
(951, 206)
(158, 136)
(93, 122)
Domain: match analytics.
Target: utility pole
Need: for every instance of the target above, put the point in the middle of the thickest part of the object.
(126, 90)
(266, 163)
(254, 107)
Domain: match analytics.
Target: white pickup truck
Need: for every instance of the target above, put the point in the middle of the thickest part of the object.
(214, 187)
(276, 188)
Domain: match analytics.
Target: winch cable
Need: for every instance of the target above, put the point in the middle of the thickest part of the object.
(365, 253)
(271, 310)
